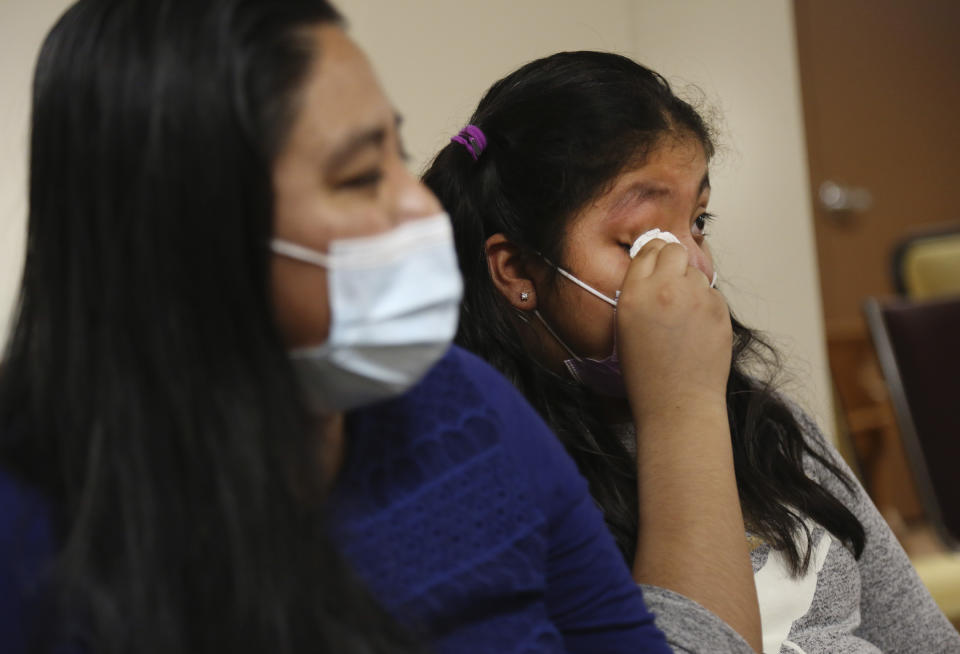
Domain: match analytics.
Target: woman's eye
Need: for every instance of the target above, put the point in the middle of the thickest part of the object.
(362, 181)
(700, 224)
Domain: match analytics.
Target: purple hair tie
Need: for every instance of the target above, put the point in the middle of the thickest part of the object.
(473, 139)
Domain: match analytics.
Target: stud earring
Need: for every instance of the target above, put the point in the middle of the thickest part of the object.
(524, 296)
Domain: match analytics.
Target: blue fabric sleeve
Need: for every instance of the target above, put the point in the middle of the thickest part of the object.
(591, 596)
(26, 544)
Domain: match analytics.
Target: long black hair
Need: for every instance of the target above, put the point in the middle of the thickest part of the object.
(146, 391)
(559, 131)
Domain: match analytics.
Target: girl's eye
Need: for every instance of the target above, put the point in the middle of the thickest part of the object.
(700, 224)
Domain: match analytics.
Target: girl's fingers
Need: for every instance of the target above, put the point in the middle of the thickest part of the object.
(645, 262)
(662, 258)
(672, 260)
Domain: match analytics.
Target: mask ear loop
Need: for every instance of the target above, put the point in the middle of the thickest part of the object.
(536, 312)
(586, 287)
(300, 253)
(583, 285)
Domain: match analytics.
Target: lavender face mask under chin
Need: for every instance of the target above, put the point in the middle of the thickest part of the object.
(602, 376)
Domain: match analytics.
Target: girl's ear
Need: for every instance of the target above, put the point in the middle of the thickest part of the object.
(509, 275)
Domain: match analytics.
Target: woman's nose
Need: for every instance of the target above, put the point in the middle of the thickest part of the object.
(412, 199)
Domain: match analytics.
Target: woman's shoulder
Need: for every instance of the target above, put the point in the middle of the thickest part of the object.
(524, 432)
(458, 392)
(462, 416)
(459, 366)
(429, 474)
(462, 394)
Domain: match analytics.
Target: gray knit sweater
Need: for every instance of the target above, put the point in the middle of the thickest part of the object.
(841, 606)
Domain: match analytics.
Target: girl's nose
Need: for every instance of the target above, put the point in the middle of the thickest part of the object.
(699, 254)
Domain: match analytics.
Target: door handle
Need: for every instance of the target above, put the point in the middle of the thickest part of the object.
(836, 197)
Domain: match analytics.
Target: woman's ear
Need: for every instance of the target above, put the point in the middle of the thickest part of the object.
(509, 275)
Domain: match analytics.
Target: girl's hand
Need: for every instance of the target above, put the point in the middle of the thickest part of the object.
(675, 342)
(674, 332)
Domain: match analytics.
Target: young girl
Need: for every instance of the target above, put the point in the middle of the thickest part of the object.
(230, 420)
(565, 163)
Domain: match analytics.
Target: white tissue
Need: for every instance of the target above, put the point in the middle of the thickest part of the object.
(648, 236)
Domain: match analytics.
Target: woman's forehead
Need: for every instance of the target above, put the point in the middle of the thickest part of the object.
(340, 96)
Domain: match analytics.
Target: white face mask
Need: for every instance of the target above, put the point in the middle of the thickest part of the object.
(394, 303)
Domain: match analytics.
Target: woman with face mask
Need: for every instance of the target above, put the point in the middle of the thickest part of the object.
(230, 419)
(579, 196)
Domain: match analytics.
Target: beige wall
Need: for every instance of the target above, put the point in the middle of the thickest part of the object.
(436, 57)
(23, 24)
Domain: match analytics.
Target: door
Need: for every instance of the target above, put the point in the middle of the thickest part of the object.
(881, 94)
